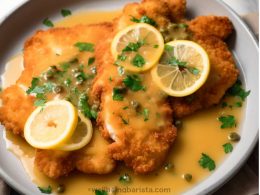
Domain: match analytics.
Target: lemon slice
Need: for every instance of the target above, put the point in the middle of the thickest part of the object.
(81, 137)
(137, 47)
(182, 69)
(51, 126)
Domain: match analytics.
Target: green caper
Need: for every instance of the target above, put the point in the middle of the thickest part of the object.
(168, 166)
(233, 136)
(167, 38)
(57, 89)
(187, 177)
(171, 26)
(134, 104)
(61, 188)
(93, 70)
(178, 123)
(162, 30)
(74, 70)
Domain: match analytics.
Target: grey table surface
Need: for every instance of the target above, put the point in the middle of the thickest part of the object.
(246, 181)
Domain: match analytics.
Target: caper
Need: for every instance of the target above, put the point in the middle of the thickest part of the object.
(93, 70)
(233, 136)
(178, 123)
(61, 188)
(134, 104)
(187, 177)
(77, 74)
(167, 38)
(168, 166)
(57, 89)
(74, 70)
(171, 26)
(162, 30)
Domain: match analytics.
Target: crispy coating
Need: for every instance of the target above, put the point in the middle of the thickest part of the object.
(223, 75)
(54, 164)
(17, 107)
(162, 11)
(142, 146)
(40, 52)
(218, 26)
(95, 158)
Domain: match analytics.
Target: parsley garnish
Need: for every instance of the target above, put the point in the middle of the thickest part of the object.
(133, 82)
(85, 108)
(65, 12)
(91, 61)
(133, 47)
(168, 48)
(228, 121)
(175, 62)
(144, 19)
(40, 102)
(193, 70)
(85, 46)
(125, 108)
(118, 94)
(34, 83)
(47, 190)
(237, 90)
(146, 114)
(65, 66)
(206, 162)
(138, 61)
(48, 22)
(238, 104)
(155, 46)
(227, 147)
(100, 192)
(183, 25)
(125, 178)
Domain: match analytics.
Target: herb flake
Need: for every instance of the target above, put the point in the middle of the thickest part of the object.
(48, 22)
(138, 61)
(133, 82)
(206, 162)
(100, 192)
(65, 12)
(118, 94)
(47, 190)
(83, 46)
(228, 121)
(227, 147)
(144, 19)
(146, 114)
(238, 91)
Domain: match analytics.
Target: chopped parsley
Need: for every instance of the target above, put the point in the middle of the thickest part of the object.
(227, 147)
(35, 81)
(224, 104)
(133, 47)
(138, 61)
(155, 46)
(206, 162)
(182, 25)
(47, 190)
(238, 91)
(146, 114)
(85, 108)
(193, 70)
(40, 102)
(118, 94)
(168, 48)
(125, 178)
(65, 12)
(48, 22)
(228, 121)
(175, 62)
(144, 19)
(65, 66)
(238, 104)
(133, 82)
(82, 46)
(100, 192)
(125, 108)
(122, 57)
(91, 61)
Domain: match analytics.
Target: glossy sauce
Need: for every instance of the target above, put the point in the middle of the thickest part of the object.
(201, 132)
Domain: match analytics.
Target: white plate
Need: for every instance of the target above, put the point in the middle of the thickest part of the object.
(25, 20)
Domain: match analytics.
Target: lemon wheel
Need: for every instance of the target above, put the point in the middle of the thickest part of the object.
(81, 137)
(51, 126)
(138, 47)
(182, 69)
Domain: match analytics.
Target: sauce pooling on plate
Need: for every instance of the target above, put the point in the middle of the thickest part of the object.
(202, 127)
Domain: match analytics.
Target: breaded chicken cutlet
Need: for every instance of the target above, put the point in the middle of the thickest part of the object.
(40, 52)
(142, 147)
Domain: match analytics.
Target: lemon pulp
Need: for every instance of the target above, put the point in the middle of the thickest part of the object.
(183, 68)
(138, 47)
